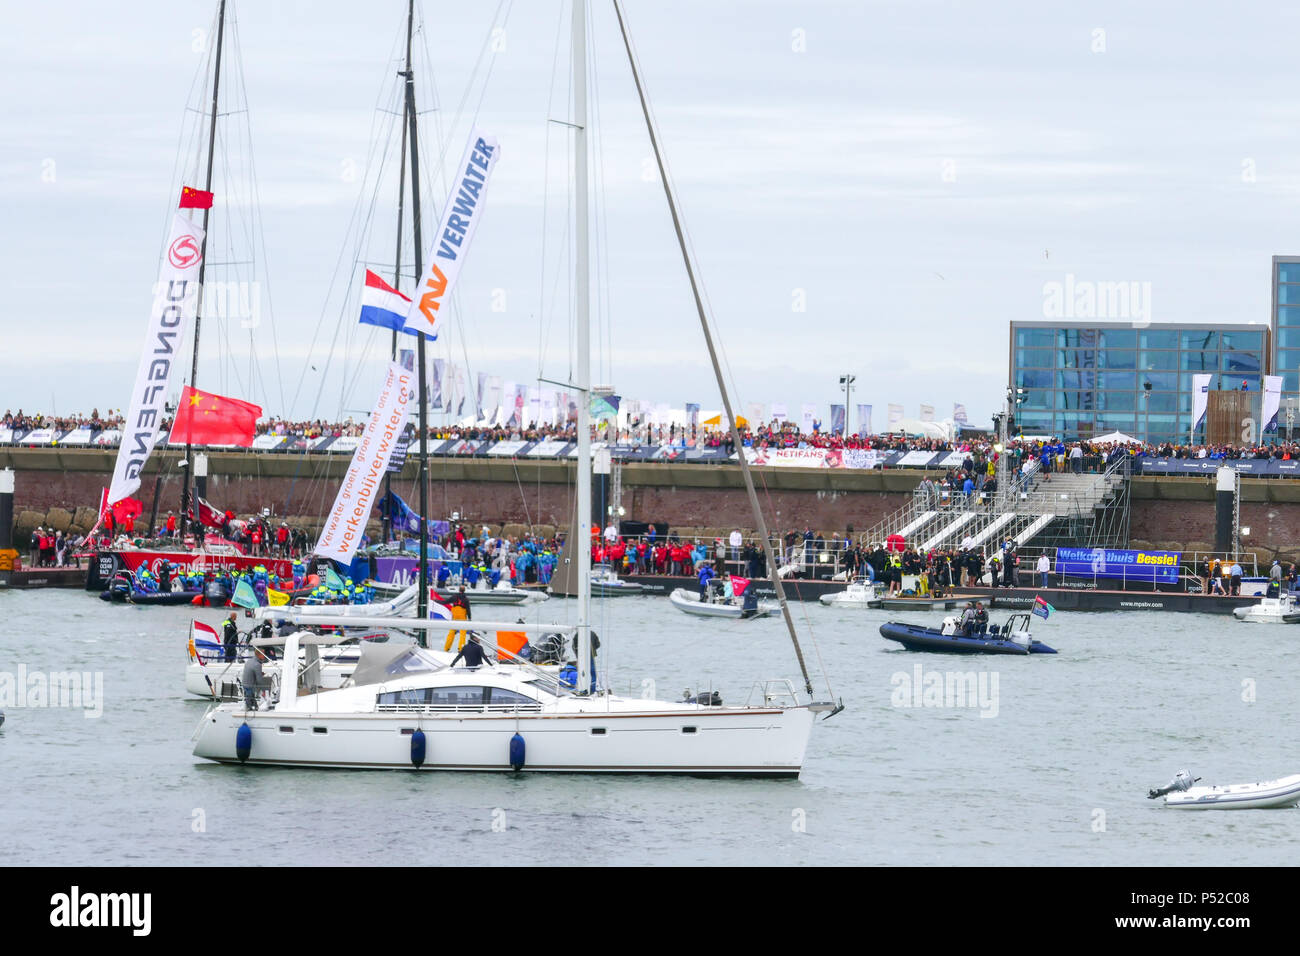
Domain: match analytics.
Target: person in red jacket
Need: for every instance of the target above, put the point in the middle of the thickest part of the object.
(171, 524)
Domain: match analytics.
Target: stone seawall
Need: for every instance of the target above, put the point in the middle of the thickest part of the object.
(693, 498)
(1171, 512)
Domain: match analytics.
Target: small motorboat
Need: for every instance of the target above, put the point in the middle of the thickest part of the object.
(1181, 793)
(1011, 638)
(503, 593)
(124, 591)
(1270, 610)
(860, 593)
(605, 583)
(718, 603)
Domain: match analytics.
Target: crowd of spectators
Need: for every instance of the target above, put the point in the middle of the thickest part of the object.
(1086, 454)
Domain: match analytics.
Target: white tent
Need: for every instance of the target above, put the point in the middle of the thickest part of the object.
(1116, 438)
(943, 430)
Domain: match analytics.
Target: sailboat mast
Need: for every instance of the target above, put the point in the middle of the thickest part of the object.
(759, 521)
(203, 252)
(422, 599)
(387, 519)
(580, 536)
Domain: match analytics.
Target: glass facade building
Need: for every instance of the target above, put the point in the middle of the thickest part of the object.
(1082, 379)
(1285, 324)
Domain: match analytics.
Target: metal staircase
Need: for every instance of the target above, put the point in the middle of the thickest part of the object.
(1089, 510)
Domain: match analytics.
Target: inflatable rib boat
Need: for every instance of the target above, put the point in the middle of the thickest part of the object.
(1182, 794)
(1011, 638)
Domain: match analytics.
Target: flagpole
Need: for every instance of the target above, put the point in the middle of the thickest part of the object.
(422, 599)
(203, 258)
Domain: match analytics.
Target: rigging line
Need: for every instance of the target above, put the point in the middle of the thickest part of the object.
(374, 144)
(359, 226)
(600, 220)
(708, 338)
(546, 186)
(258, 226)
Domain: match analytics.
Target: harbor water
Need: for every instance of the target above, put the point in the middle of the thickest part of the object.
(1039, 760)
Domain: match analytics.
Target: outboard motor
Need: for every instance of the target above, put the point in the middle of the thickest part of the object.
(548, 649)
(1183, 780)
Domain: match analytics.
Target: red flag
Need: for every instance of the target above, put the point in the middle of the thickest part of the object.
(127, 510)
(738, 585)
(209, 515)
(195, 198)
(203, 418)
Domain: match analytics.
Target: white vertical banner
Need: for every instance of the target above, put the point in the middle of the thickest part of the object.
(864, 420)
(534, 405)
(1272, 401)
(341, 535)
(895, 415)
(437, 384)
(808, 415)
(460, 219)
(927, 413)
(959, 414)
(779, 412)
(1200, 398)
(754, 414)
(174, 301)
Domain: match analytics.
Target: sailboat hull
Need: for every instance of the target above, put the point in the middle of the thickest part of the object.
(754, 742)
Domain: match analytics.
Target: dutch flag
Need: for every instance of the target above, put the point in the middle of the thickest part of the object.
(383, 305)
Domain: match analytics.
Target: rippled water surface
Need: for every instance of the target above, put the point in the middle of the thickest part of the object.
(1058, 775)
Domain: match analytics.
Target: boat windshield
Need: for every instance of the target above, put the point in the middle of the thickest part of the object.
(380, 662)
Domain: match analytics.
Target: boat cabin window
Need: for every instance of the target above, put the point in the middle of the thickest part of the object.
(473, 697)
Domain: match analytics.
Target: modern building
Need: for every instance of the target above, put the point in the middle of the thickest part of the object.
(1284, 321)
(1087, 378)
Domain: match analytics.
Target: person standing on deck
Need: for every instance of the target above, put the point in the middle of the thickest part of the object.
(1235, 574)
(1042, 568)
(230, 637)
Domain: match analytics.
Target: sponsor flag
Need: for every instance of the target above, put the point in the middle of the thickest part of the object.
(174, 304)
(693, 414)
(808, 416)
(346, 524)
(779, 412)
(959, 414)
(400, 449)
(837, 419)
(460, 219)
(276, 598)
(195, 198)
(204, 418)
(1272, 400)
(439, 374)
(1200, 398)
(1042, 608)
(604, 407)
(927, 413)
(895, 414)
(398, 513)
(738, 585)
(864, 420)
(406, 358)
(382, 305)
(333, 581)
(244, 595)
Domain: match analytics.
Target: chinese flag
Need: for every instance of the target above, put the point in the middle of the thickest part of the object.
(195, 198)
(207, 419)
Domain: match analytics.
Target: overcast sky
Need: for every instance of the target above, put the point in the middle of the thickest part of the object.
(909, 174)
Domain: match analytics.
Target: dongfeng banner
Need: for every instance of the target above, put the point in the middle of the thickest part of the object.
(1200, 399)
(359, 492)
(174, 302)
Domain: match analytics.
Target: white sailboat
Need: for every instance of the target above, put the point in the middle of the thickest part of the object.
(406, 708)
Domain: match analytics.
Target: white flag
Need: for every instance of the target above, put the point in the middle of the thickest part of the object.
(1200, 398)
(959, 414)
(808, 416)
(175, 298)
(779, 412)
(460, 219)
(895, 414)
(927, 413)
(346, 524)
